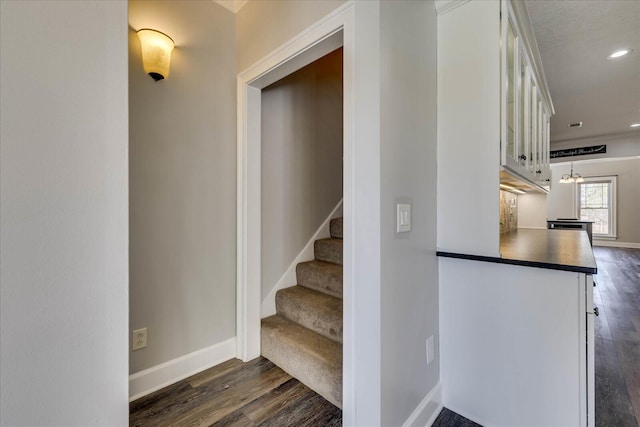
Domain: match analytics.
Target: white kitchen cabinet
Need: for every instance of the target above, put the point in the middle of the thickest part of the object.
(546, 134)
(524, 149)
(531, 134)
(541, 118)
(509, 87)
(516, 352)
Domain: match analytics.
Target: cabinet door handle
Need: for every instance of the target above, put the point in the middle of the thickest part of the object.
(522, 157)
(596, 311)
(538, 172)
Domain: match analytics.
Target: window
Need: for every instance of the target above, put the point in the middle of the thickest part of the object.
(597, 203)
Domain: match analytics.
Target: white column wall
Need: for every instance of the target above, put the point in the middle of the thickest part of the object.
(64, 213)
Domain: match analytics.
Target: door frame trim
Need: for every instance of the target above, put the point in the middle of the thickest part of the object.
(313, 43)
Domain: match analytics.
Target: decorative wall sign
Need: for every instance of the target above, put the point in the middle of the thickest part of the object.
(580, 151)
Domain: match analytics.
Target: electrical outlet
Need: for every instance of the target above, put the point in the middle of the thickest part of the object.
(430, 350)
(139, 339)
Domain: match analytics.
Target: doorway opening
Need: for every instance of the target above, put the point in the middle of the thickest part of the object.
(301, 165)
(334, 32)
(301, 221)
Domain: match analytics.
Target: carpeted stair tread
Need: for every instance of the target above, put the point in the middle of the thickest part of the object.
(335, 227)
(321, 276)
(328, 250)
(314, 310)
(314, 360)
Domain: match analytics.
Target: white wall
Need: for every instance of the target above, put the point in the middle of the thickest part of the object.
(532, 210)
(622, 145)
(469, 129)
(256, 34)
(561, 202)
(182, 182)
(409, 295)
(301, 161)
(64, 235)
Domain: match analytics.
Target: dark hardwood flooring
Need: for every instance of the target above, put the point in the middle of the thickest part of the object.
(617, 340)
(448, 418)
(256, 393)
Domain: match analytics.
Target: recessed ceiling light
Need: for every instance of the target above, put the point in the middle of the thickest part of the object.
(635, 125)
(619, 53)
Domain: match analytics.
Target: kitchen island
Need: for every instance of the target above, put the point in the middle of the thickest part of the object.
(516, 331)
(572, 224)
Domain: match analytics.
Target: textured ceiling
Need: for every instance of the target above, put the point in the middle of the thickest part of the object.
(574, 38)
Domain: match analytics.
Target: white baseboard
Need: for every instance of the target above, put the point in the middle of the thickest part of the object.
(288, 279)
(428, 410)
(616, 244)
(160, 376)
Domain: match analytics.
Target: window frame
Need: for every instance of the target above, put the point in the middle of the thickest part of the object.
(612, 180)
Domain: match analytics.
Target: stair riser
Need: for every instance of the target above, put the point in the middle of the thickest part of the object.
(322, 375)
(305, 337)
(328, 281)
(322, 315)
(328, 250)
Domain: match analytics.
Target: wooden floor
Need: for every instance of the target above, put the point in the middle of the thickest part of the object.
(260, 394)
(617, 296)
(448, 418)
(256, 393)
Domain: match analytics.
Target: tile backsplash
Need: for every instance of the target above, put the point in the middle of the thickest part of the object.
(508, 211)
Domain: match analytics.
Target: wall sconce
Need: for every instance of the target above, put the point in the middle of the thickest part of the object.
(156, 53)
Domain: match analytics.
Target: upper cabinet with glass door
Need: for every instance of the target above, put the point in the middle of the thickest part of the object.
(509, 55)
(525, 101)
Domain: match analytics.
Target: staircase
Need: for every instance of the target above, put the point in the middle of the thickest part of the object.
(304, 337)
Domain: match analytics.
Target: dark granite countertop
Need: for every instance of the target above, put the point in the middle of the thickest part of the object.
(567, 250)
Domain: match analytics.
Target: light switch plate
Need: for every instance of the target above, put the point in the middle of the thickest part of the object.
(403, 218)
(430, 350)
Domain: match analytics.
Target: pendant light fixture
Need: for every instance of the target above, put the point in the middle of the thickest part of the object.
(570, 178)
